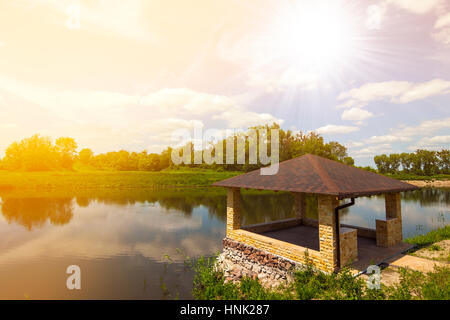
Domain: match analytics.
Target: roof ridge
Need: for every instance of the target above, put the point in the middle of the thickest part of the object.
(323, 174)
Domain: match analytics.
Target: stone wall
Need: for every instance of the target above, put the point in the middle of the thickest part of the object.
(238, 260)
(276, 247)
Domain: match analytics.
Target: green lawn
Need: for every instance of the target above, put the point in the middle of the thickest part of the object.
(109, 179)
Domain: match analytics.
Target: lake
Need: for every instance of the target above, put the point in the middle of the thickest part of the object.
(133, 244)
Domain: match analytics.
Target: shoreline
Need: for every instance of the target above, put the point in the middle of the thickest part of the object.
(88, 180)
(429, 183)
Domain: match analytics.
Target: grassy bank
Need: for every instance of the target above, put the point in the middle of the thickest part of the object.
(431, 237)
(309, 284)
(109, 179)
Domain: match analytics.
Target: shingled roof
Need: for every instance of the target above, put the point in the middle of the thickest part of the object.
(314, 174)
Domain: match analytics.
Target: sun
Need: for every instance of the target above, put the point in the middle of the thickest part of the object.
(314, 34)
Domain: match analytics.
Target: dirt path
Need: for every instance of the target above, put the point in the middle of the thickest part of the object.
(431, 183)
(423, 260)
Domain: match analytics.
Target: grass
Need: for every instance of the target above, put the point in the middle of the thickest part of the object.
(431, 237)
(85, 179)
(309, 284)
(210, 284)
(110, 179)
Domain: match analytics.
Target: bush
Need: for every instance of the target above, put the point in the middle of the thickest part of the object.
(210, 284)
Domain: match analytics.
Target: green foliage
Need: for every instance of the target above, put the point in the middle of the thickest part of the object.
(415, 285)
(431, 237)
(39, 154)
(435, 247)
(109, 179)
(209, 284)
(312, 284)
(410, 176)
(420, 163)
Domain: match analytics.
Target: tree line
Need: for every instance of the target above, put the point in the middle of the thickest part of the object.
(420, 162)
(38, 153)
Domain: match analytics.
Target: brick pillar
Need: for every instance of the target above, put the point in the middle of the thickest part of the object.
(233, 209)
(393, 205)
(299, 205)
(389, 231)
(327, 232)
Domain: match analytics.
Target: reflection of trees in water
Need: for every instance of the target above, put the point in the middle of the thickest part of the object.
(34, 212)
(257, 206)
(428, 196)
(169, 199)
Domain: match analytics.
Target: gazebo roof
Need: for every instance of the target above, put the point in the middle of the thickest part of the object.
(314, 174)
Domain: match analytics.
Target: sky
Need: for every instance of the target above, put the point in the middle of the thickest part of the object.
(373, 75)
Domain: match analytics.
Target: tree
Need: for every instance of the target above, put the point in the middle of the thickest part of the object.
(31, 154)
(444, 161)
(382, 163)
(394, 162)
(406, 161)
(67, 150)
(86, 156)
(421, 162)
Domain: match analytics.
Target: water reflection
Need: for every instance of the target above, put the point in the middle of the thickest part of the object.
(35, 212)
(128, 242)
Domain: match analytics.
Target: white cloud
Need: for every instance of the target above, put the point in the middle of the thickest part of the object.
(124, 18)
(356, 114)
(433, 143)
(236, 118)
(442, 32)
(383, 144)
(416, 6)
(387, 139)
(370, 151)
(424, 128)
(283, 80)
(353, 144)
(335, 129)
(442, 36)
(442, 21)
(407, 133)
(105, 120)
(398, 92)
(375, 14)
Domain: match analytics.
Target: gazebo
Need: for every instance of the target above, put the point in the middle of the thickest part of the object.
(331, 182)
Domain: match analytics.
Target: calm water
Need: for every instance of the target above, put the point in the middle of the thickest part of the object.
(132, 244)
